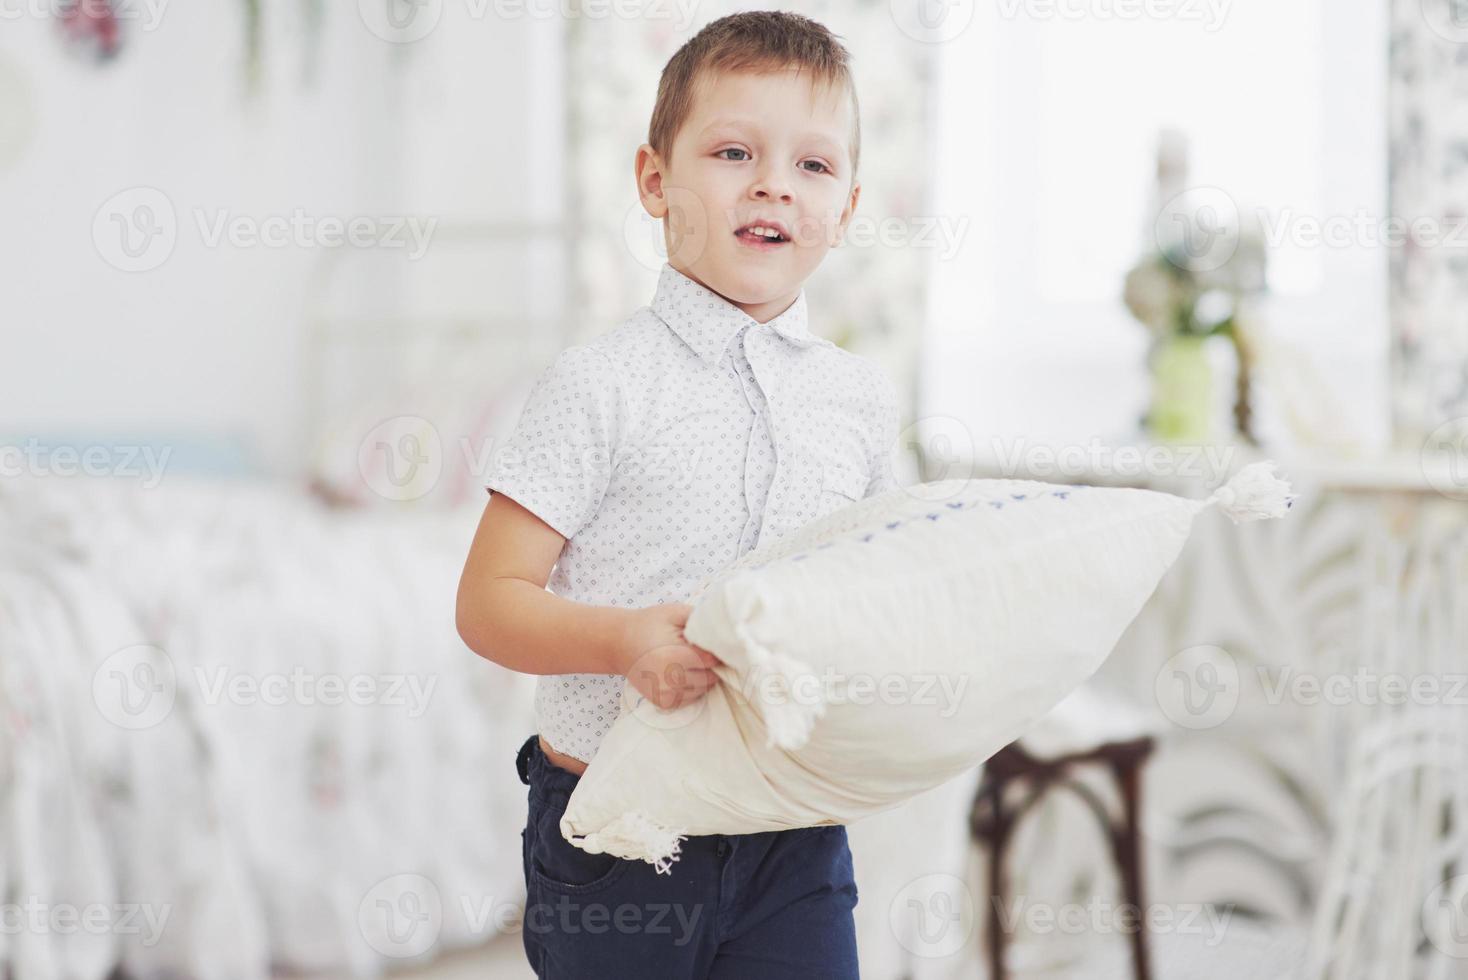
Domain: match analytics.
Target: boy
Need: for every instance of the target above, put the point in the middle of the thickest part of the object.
(709, 422)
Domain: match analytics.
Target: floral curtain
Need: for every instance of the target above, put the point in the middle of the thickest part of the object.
(1429, 183)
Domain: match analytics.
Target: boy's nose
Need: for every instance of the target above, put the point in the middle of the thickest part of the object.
(772, 186)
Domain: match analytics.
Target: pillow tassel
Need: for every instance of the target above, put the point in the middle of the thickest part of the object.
(1253, 494)
(772, 678)
(635, 837)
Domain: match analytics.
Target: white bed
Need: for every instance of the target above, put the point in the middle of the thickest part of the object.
(257, 828)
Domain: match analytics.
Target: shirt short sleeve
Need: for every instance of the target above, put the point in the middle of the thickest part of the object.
(884, 444)
(557, 461)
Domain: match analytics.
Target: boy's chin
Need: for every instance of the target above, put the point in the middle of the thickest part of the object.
(749, 282)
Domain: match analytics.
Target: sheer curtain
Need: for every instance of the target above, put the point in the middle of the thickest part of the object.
(1047, 126)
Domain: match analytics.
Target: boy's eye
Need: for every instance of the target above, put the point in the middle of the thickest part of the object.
(819, 164)
(732, 149)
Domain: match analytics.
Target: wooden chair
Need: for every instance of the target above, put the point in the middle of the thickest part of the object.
(1086, 730)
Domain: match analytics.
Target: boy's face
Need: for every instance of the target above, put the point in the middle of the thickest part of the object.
(767, 148)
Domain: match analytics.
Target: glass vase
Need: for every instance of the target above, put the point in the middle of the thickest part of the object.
(1181, 410)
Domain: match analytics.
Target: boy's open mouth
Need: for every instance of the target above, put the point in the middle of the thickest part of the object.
(763, 234)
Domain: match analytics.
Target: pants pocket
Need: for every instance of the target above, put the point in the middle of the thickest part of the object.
(554, 863)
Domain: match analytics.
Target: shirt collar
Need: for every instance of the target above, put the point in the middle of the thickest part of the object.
(707, 321)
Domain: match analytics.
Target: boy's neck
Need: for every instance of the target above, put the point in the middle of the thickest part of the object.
(760, 312)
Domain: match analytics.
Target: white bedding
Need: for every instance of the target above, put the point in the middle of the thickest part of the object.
(255, 831)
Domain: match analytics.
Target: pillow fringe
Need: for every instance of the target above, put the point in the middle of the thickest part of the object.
(1253, 494)
(635, 837)
(772, 679)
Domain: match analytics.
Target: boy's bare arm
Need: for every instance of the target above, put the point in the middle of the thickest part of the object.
(505, 614)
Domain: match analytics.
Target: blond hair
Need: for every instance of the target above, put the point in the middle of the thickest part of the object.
(757, 40)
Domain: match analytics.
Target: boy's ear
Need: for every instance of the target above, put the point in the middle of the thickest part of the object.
(649, 170)
(846, 214)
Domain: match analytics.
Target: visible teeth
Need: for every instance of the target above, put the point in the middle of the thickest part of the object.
(762, 230)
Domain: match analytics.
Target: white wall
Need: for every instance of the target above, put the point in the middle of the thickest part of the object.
(462, 125)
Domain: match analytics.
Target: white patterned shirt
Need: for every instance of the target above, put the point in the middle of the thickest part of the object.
(674, 443)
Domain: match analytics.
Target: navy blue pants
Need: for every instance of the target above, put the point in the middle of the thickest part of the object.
(774, 906)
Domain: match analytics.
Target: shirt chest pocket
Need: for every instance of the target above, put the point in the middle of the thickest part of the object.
(841, 484)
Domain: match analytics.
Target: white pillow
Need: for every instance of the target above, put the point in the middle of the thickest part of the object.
(883, 649)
